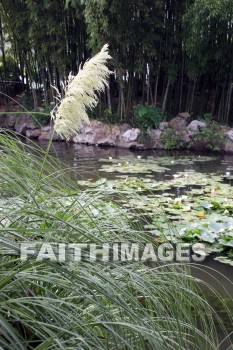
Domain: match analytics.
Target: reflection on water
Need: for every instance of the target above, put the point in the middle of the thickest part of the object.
(85, 156)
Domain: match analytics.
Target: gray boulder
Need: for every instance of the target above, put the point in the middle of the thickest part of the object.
(130, 135)
(155, 139)
(46, 133)
(229, 141)
(163, 125)
(180, 122)
(33, 133)
(195, 125)
(24, 122)
(8, 120)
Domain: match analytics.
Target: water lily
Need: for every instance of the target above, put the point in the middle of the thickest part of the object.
(213, 191)
(110, 158)
(139, 157)
(183, 197)
(228, 173)
(178, 200)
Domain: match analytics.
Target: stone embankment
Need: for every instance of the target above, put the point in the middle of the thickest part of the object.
(123, 136)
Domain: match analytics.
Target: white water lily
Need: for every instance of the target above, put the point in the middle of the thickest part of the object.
(80, 94)
(183, 197)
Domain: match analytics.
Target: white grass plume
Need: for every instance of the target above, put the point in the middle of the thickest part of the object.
(80, 94)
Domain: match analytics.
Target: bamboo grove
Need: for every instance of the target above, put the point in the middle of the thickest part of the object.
(176, 55)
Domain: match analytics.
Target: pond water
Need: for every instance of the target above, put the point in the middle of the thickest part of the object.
(159, 175)
(93, 163)
(87, 157)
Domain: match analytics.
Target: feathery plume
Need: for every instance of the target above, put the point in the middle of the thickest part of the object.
(80, 94)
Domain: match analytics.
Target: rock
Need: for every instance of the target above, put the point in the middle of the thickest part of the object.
(130, 135)
(186, 137)
(195, 125)
(33, 133)
(84, 138)
(98, 133)
(154, 139)
(24, 122)
(112, 136)
(229, 134)
(198, 146)
(88, 130)
(2, 120)
(127, 145)
(101, 136)
(46, 133)
(86, 135)
(184, 115)
(228, 147)
(163, 125)
(180, 121)
(124, 127)
(8, 120)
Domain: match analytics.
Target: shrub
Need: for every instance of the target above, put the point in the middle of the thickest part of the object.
(43, 118)
(27, 102)
(207, 117)
(211, 136)
(106, 117)
(147, 116)
(171, 139)
(109, 117)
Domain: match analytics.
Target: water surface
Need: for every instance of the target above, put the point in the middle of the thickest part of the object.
(85, 159)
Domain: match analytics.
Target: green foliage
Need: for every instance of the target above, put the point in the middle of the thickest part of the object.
(203, 214)
(207, 117)
(211, 136)
(26, 102)
(43, 119)
(47, 305)
(143, 137)
(146, 116)
(109, 117)
(171, 139)
(184, 64)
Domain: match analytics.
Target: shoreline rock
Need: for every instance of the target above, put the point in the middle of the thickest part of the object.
(122, 136)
